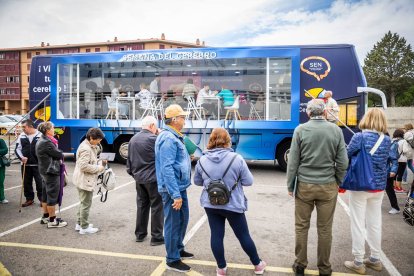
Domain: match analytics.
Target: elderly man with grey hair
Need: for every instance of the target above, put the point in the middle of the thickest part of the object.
(317, 164)
(141, 166)
(331, 106)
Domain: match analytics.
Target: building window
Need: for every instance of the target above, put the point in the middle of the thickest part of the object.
(37, 53)
(1, 55)
(97, 49)
(121, 49)
(28, 67)
(162, 46)
(29, 55)
(28, 79)
(88, 50)
(2, 91)
(12, 79)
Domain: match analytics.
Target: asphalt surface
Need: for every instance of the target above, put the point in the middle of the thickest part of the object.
(28, 248)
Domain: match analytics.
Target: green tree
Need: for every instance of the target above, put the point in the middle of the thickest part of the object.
(406, 98)
(389, 66)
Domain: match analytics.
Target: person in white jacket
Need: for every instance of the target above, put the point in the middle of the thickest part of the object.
(405, 153)
(85, 177)
(332, 108)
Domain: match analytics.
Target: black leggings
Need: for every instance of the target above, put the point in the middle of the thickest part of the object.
(391, 193)
(400, 171)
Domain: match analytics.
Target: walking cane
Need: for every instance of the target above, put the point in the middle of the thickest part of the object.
(21, 192)
(336, 117)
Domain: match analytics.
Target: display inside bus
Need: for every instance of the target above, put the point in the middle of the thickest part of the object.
(209, 88)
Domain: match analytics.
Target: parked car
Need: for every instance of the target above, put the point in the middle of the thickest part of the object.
(16, 118)
(6, 124)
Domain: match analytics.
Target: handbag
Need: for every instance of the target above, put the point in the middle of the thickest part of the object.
(360, 175)
(54, 167)
(106, 182)
(5, 161)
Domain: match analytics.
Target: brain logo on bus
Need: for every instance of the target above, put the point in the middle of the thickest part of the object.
(315, 66)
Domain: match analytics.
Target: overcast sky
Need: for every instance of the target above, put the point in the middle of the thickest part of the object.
(217, 22)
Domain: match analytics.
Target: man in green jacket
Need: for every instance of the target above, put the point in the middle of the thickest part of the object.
(316, 166)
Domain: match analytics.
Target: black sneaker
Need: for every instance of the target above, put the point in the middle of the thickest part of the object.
(155, 242)
(141, 238)
(298, 269)
(178, 266)
(186, 255)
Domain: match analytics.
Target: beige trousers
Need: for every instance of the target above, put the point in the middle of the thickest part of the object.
(324, 198)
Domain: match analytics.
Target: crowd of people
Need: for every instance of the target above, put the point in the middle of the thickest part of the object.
(160, 164)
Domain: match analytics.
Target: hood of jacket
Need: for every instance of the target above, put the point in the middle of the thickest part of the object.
(218, 154)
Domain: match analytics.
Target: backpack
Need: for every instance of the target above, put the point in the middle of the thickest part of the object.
(106, 181)
(217, 191)
(409, 137)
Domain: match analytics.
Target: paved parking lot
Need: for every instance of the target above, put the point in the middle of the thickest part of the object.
(28, 248)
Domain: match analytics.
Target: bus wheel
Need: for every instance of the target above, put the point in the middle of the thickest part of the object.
(121, 151)
(282, 154)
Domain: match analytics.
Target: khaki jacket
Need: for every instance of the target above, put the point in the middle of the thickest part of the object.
(87, 169)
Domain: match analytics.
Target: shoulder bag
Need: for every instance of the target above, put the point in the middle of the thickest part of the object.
(360, 173)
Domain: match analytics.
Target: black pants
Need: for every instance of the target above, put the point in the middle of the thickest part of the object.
(148, 197)
(32, 172)
(391, 193)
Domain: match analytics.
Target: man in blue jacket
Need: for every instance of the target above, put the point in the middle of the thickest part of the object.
(173, 169)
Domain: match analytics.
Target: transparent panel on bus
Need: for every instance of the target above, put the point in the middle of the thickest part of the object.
(213, 89)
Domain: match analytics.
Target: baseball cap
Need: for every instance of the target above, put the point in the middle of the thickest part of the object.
(175, 110)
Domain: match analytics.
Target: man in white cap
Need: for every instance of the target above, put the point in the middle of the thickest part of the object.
(173, 169)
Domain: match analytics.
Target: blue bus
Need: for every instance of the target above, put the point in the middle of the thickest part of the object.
(258, 94)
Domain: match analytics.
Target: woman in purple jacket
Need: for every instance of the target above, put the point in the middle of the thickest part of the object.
(365, 206)
(215, 162)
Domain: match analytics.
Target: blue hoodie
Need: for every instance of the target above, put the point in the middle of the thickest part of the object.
(215, 162)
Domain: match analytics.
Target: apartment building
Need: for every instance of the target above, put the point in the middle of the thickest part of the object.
(15, 64)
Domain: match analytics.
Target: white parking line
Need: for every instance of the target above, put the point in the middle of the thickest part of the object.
(392, 270)
(11, 188)
(61, 210)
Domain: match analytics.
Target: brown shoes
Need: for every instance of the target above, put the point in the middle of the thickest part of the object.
(28, 203)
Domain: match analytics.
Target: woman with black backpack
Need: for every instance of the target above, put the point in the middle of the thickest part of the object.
(223, 174)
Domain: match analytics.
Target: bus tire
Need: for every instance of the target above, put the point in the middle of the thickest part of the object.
(281, 154)
(121, 150)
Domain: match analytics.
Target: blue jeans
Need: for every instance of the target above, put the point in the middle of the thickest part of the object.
(409, 166)
(175, 226)
(217, 220)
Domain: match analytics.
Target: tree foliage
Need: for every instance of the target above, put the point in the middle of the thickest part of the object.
(389, 66)
(406, 98)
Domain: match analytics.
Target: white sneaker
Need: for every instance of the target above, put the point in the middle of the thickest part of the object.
(57, 223)
(78, 227)
(4, 201)
(89, 230)
(393, 211)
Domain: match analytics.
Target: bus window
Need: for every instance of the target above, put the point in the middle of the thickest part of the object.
(92, 90)
(279, 89)
(348, 112)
